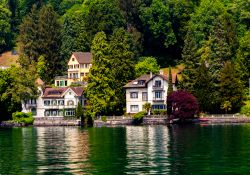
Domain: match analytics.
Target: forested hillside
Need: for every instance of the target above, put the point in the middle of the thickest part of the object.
(211, 38)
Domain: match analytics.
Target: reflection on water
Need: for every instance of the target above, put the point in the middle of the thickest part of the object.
(187, 149)
(61, 149)
(49, 150)
(147, 150)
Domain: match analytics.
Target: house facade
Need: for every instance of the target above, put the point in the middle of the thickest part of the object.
(148, 88)
(79, 65)
(55, 102)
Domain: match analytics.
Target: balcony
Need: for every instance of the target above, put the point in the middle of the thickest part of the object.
(158, 88)
(158, 99)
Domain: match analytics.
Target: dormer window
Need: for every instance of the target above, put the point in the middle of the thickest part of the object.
(141, 82)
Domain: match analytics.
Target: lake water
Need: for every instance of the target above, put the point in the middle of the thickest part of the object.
(185, 149)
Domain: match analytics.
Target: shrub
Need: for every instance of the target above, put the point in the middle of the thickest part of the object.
(159, 112)
(139, 115)
(163, 112)
(156, 112)
(245, 110)
(104, 118)
(22, 117)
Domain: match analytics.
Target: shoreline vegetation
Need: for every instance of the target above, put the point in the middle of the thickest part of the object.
(210, 39)
(116, 121)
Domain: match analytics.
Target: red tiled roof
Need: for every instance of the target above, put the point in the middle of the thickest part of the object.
(78, 90)
(83, 57)
(59, 91)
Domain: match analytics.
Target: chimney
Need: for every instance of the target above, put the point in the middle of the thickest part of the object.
(161, 72)
(151, 74)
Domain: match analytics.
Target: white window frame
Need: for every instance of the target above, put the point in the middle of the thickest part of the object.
(133, 94)
(134, 108)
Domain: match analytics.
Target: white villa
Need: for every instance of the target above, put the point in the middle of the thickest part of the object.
(148, 88)
(55, 102)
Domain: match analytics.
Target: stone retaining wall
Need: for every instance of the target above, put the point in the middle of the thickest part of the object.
(56, 121)
(226, 120)
(116, 121)
(162, 120)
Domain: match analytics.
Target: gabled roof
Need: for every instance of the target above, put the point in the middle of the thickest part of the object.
(59, 92)
(146, 78)
(83, 57)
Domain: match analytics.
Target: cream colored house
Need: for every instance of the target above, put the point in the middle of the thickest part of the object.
(79, 65)
(148, 88)
(55, 102)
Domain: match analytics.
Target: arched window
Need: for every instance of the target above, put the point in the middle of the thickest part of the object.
(70, 103)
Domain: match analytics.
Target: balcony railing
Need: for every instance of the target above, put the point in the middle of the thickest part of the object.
(158, 99)
(157, 87)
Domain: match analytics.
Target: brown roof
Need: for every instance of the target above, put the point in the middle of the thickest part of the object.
(146, 78)
(83, 57)
(8, 58)
(58, 92)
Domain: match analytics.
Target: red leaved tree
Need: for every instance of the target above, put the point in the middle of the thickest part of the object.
(182, 105)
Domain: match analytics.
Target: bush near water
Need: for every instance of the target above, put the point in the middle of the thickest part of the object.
(22, 117)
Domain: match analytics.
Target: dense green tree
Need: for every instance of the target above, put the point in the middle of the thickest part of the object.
(5, 28)
(67, 4)
(28, 38)
(230, 86)
(74, 34)
(156, 19)
(170, 82)
(99, 90)
(16, 84)
(40, 35)
(102, 15)
(200, 25)
(121, 49)
(112, 68)
(146, 65)
(243, 58)
(49, 30)
(79, 111)
(204, 89)
(41, 67)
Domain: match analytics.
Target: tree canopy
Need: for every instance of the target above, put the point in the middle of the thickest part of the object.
(146, 65)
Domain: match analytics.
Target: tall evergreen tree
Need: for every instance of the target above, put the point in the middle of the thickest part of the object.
(28, 44)
(243, 58)
(230, 86)
(99, 91)
(5, 28)
(204, 89)
(40, 35)
(49, 30)
(170, 82)
(112, 68)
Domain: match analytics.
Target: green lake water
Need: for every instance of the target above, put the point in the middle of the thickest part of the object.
(185, 149)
